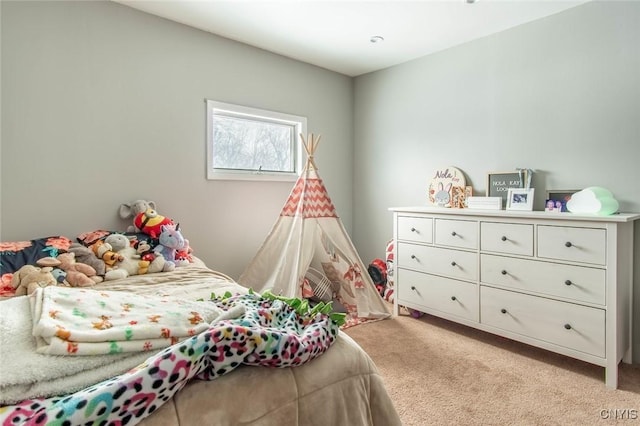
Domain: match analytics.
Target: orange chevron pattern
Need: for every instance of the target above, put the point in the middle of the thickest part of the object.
(309, 199)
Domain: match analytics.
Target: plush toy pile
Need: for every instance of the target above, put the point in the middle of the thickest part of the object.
(153, 243)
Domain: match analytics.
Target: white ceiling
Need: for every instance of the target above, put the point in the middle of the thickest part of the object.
(336, 34)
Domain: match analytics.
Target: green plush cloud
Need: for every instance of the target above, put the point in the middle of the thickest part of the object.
(593, 200)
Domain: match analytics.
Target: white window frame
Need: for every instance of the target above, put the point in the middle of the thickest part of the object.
(231, 110)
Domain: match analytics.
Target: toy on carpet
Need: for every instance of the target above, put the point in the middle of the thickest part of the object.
(414, 313)
(378, 272)
(28, 278)
(389, 290)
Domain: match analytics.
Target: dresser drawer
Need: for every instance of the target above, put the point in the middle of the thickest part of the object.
(418, 229)
(509, 238)
(579, 283)
(440, 261)
(457, 233)
(587, 245)
(571, 326)
(443, 294)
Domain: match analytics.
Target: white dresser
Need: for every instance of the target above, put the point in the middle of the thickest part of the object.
(559, 281)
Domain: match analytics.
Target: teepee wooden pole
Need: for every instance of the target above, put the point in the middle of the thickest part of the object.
(310, 144)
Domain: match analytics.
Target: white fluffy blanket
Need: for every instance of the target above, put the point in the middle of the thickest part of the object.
(28, 373)
(80, 321)
(25, 373)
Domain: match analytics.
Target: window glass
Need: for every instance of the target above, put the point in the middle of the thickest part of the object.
(249, 143)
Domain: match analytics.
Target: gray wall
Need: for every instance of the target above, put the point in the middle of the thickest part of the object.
(560, 95)
(103, 104)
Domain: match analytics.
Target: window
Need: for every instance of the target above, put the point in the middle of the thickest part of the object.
(252, 144)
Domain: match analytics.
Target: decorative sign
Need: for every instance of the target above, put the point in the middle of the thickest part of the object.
(442, 184)
(498, 183)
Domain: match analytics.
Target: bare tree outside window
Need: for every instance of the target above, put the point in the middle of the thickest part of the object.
(246, 143)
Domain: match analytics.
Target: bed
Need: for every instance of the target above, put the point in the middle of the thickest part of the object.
(341, 386)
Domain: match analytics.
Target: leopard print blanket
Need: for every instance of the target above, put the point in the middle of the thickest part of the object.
(271, 333)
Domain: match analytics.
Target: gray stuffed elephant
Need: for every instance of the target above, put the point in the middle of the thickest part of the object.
(133, 209)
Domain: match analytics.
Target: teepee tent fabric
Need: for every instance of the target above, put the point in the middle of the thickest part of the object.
(309, 234)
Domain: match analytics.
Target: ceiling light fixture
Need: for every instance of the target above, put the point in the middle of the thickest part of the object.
(471, 1)
(376, 39)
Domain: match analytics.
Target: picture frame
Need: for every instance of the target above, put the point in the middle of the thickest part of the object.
(559, 195)
(498, 183)
(520, 199)
(468, 192)
(459, 195)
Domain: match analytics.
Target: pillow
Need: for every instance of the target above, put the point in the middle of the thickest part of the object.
(320, 286)
(321, 289)
(15, 254)
(88, 238)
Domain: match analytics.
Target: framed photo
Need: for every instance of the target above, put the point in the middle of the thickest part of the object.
(520, 199)
(559, 197)
(499, 183)
(457, 197)
(468, 192)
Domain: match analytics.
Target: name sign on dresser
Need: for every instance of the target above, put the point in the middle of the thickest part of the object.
(561, 282)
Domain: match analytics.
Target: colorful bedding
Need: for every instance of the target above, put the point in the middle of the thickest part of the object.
(270, 333)
(82, 321)
(174, 387)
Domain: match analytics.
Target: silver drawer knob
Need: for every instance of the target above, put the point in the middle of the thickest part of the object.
(567, 326)
(453, 298)
(453, 263)
(503, 310)
(503, 238)
(453, 234)
(568, 282)
(414, 230)
(413, 256)
(413, 287)
(503, 272)
(568, 244)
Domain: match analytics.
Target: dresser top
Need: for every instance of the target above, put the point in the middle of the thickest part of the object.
(617, 217)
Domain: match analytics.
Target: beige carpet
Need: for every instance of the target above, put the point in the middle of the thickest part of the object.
(441, 373)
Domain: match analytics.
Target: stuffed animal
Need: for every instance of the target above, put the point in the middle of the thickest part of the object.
(78, 274)
(150, 222)
(135, 208)
(183, 256)
(105, 252)
(60, 276)
(169, 242)
(144, 249)
(118, 242)
(28, 278)
(88, 257)
(131, 262)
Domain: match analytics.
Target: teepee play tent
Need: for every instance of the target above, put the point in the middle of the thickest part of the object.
(308, 253)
